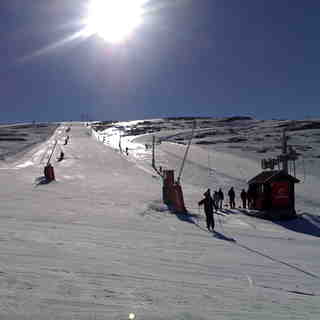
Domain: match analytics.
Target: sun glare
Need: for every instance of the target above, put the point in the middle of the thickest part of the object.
(114, 20)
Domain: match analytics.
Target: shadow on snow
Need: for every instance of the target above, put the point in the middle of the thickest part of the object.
(305, 223)
(41, 180)
(310, 224)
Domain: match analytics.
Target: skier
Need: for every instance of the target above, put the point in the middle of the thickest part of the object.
(221, 197)
(249, 198)
(232, 196)
(61, 157)
(216, 200)
(244, 197)
(208, 209)
(66, 140)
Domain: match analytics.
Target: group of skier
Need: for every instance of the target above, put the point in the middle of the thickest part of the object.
(215, 202)
(248, 198)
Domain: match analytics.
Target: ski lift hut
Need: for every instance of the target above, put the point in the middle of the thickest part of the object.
(273, 193)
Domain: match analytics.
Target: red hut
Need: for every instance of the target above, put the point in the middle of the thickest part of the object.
(273, 193)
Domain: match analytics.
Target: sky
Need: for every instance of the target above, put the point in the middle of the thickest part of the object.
(211, 58)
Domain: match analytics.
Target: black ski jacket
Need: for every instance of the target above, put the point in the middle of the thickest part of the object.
(208, 204)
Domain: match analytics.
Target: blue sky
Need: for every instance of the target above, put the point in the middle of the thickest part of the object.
(190, 58)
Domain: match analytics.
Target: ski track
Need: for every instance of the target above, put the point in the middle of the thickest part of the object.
(98, 244)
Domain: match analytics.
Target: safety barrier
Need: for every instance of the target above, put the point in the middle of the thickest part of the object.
(172, 192)
(49, 172)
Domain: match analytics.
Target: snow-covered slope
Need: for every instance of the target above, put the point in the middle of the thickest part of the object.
(18, 138)
(224, 151)
(99, 244)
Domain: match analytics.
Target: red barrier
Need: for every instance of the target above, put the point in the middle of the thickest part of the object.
(166, 195)
(49, 172)
(177, 198)
(168, 178)
(168, 181)
(173, 197)
(172, 192)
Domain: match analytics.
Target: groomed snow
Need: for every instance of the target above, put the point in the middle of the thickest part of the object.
(98, 243)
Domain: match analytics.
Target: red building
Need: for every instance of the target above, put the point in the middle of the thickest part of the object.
(273, 193)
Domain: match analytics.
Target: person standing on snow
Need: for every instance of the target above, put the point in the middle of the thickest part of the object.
(244, 197)
(216, 200)
(232, 197)
(208, 209)
(249, 198)
(221, 198)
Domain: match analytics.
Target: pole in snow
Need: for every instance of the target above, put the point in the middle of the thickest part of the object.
(54, 147)
(284, 152)
(153, 156)
(186, 153)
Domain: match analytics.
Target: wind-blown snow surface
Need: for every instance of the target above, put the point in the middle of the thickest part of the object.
(18, 138)
(98, 244)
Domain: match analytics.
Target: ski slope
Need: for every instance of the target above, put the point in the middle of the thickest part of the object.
(97, 243)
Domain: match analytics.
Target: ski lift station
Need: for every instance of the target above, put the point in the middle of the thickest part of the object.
(273, 193)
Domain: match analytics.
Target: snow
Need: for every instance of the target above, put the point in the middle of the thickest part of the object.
(98, 243)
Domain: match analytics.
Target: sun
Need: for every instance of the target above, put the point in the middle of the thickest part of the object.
(114, 20)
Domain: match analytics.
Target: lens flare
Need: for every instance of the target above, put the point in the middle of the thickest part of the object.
(114, 20)
(132, 316)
